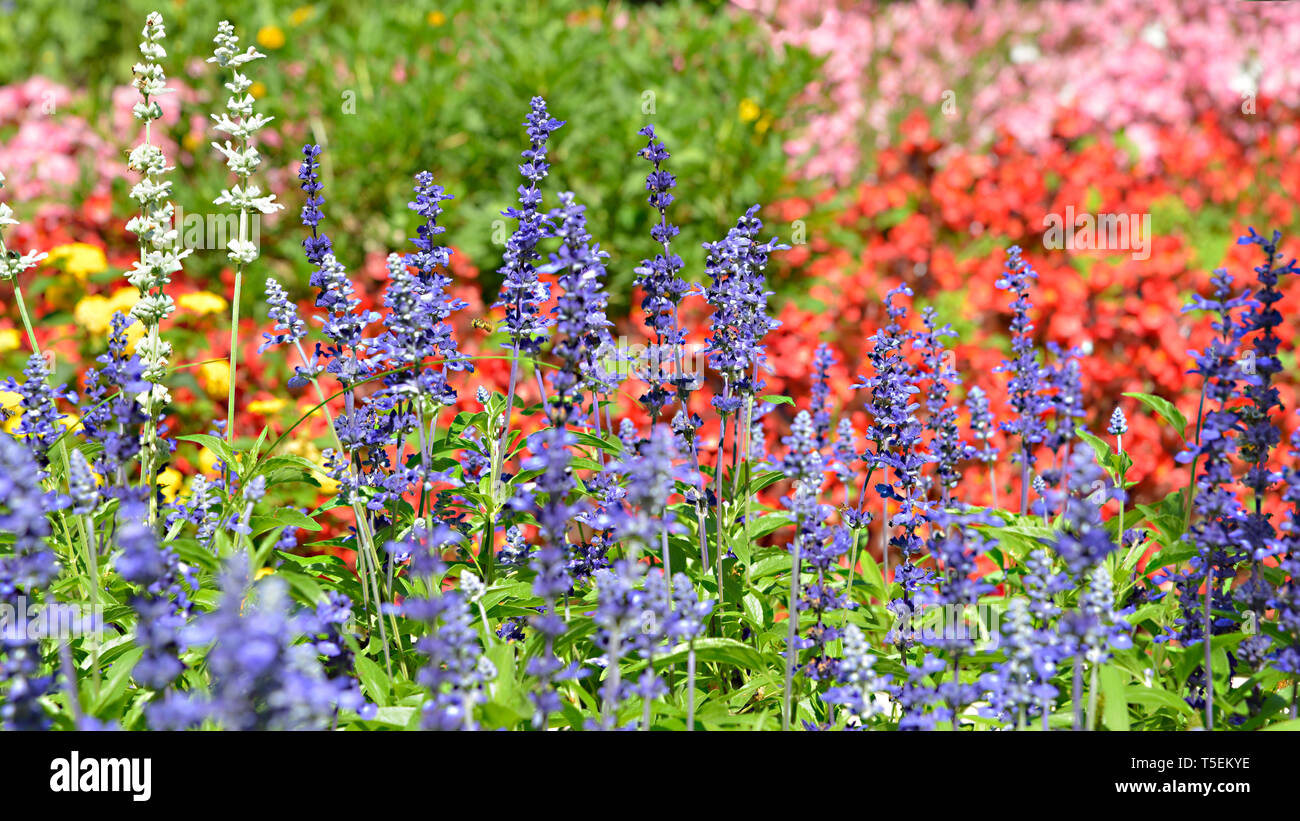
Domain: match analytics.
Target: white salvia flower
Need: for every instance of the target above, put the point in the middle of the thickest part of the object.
(13, 263)
(242, 251)
(240, 122)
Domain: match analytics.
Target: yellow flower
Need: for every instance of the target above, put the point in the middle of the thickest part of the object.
(764, 124)
(10, 339)
(9, 401)
(263, 572)
(271, 37)
(123, 300)
(436, 18)
(215, 378)
(79, 258)
(265, 407)
(300, 15)
(202, 302)
(257, 89)
(94, 314)
(749, 110)
(134, 333)
(169, 481)
(191, 140)
(207, 461)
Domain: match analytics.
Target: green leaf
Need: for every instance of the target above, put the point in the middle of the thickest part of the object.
(1158, 698)
(777, 400)
(722, 650)
(117, 682)
(284, 517)
(374, 680)
(1115, 712)
(1164, 409)
(212, 443)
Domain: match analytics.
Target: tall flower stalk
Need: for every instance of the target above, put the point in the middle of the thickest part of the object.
(160, 255)
(1025, 368)
(240, 123)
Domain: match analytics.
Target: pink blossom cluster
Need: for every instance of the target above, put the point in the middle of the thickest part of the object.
(1003, 65)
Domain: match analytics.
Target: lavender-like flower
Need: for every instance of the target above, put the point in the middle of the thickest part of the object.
(947, 447)
(579, 315)
(261, 677)
(285, 314)
(1026, 371)
(823, 360)
(857, 681)
(163, 604)
(1219, 533)
(41, 423)
(1118, 425)
(661, 285)
(737, 291)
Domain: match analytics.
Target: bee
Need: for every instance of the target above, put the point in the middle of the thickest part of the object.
(482, 324)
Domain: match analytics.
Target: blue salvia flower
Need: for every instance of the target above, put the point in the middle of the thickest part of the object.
(457, 671)
(1041, 584)
(522, 292)
(982, 424)
(202, 509)
(419, 308)
(41, 423)
(579, 315)
(1118, 425)
(1025, 386)
(857, 681)
(1020, 685)
(550, 505)
(342, 323)
(651, 475)
(803, 463)
(656, 616)
(1083, 542)
(1065, 383)
(660, 283)
(1219, 533)
(29, 564)
(285, 314)
(689, 612)
(893, 427)
(821, 598)
(1095, 628)
(163, 604)
(823, 360)
(515, 552)
(896, 433)
(957, 546)
(324, 629)
(918, 696)
(26, 567)
(737, 292)
(318, 244)
(262, 676)
(948, 448)
(110, 416)
(617, 617)
(83, 490)
(1260, 435)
